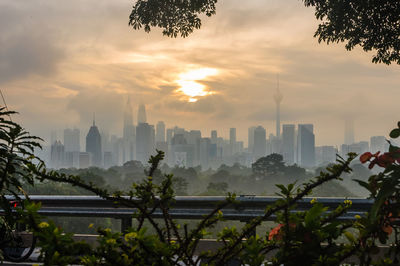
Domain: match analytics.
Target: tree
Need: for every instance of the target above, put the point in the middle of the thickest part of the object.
(374, 25)
(219, 187)
(269, 165)
(174, 17)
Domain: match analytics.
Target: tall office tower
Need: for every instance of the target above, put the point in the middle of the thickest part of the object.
(57, 155)
(325, 155)
(117, 148)
(170, 134)
(182, 153)
(260, 143)
(214, 136)
(306, 145)
(72, 140)
(145, 142)
(250, 143)
(53, 137)
(160, 132)
(359, 147)
(288, 143)
(84, 160)
(379, 143)
(232, 136)
(278, 97)
(72, 147)
(193, 138)
(93, 145)
(142, 114)
(129, 134)
(205, 152)
(349, 131)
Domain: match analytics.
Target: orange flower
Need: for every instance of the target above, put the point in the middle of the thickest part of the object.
(274, 233)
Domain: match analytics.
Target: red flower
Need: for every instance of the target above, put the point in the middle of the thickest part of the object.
(383, 160)
(274, 233)
(365, 157)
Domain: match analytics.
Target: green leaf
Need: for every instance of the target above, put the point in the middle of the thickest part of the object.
(282, 188)
(362, 183)
(395, 133)
(398, 124)
(312, 216)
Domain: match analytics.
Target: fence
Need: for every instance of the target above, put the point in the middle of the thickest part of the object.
(185, 207)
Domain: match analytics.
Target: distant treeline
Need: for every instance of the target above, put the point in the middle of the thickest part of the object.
(259, 179)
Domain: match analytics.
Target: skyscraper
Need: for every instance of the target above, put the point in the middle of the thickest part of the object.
(145, 142)
(306, 145)
(232, 136)
(260, 143)
(214, 136)
(160, 132)
(57, 155)
(93, 145)
(278, 97)
(142, 114)
(72, 147)
(72, 140)
(129, 133)
(379, 143)
(288, 143)
(250, 142)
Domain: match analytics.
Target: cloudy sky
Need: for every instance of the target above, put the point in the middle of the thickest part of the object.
(62, 61)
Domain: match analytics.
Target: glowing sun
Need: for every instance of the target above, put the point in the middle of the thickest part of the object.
(189, 85)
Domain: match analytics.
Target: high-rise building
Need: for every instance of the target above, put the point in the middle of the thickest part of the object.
(57, 155)
(142, 118)
(145, 142)
(288, 143)
(379, 143)
(160, 132)
(170, 134)
(325, 155)
(182, 153)
(260, 143)
(72, 147)
(72, 140)
(306, 145)
(93, 145)
(108, 160)
(232, 136)
(278, 97)
(84, 160)
(214, 136)
(250, 143)
(129, 134)
(349, 131)
(205, 151)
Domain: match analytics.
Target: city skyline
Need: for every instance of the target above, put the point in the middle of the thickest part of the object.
(188, 148)
(60, 63)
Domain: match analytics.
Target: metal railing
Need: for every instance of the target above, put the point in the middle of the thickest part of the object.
(185, 207)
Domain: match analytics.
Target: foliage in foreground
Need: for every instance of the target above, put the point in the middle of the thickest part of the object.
(370, 24)
(314, 236)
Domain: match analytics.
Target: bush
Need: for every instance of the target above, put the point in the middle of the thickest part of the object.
(313, 237)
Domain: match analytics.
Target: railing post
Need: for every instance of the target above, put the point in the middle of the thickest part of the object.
(126, 222)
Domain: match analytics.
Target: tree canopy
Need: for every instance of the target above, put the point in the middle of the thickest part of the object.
(374, 25)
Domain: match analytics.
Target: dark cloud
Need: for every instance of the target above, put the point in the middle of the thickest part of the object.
(27, 54)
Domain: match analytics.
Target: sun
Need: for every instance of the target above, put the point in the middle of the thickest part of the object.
(189, 85)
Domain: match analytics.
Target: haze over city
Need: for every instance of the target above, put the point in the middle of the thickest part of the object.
(60, 62)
